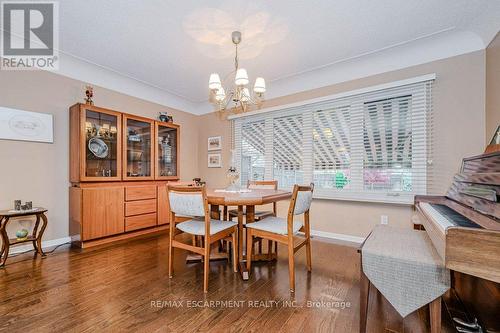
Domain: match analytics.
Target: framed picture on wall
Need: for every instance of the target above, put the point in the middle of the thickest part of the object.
(215, 160)
(26, 125)
(214, 143)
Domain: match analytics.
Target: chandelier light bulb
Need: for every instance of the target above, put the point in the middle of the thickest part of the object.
(220, 95)
(214, 81)
(245, 95)
(241, 78)
(260, 85)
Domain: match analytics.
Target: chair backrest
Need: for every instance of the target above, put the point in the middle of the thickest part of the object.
(188, 200)
(301, 199)
(263, 184)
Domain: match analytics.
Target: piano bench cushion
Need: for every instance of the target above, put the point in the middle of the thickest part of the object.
(405, 267)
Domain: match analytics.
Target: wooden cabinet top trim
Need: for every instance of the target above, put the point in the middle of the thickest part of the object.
(128, 115)
(83, 106)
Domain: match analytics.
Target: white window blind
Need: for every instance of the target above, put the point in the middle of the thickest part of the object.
(373, 146)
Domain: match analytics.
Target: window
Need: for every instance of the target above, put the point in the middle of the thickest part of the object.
(370, 146)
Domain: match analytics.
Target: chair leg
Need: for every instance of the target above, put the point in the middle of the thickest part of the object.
(269, 249)
(170, 252)
(291, 265)
(308, 239)
(249, 249)
(276, 249)
(235, 250)
(308, 254)
(364, 294)
(260, 246)
(206, 265)
(435, 315)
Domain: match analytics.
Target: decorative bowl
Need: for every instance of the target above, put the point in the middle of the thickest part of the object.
(98, 147)
(21, 234)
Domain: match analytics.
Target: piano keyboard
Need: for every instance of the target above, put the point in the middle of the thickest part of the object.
(446, 217)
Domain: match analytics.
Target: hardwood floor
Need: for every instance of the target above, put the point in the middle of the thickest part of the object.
(126, 287)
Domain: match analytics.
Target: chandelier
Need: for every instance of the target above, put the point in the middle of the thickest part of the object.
(239, 94)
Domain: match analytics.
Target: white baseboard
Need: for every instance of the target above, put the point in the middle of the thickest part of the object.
(337, 237)
(45, 244)
(315, 233)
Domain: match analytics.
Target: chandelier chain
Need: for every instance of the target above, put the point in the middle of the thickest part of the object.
(236, 64)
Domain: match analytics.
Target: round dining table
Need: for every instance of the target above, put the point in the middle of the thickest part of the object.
(248, 198)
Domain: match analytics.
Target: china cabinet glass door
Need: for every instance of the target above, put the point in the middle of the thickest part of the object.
(102, 145)
(138, 148)
(167, 136)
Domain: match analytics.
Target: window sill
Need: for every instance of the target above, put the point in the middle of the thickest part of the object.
(403, 199)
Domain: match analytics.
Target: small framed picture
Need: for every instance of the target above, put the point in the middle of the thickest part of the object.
(214, 143)
(214, 160)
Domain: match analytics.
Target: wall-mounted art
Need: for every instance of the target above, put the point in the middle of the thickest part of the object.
(214, 160)
(214, 143)
(26, 125)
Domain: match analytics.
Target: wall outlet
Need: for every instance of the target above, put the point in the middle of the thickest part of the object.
(384, 219)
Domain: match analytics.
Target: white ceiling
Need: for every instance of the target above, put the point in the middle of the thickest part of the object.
(167, 49)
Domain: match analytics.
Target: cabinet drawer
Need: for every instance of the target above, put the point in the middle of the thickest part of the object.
(140, 192)
(140, 207)
(140, 221)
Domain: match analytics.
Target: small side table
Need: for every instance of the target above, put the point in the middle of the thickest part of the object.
(35, 237)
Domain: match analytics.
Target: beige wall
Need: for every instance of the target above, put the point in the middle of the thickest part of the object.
(459, 111)
(39, 171)
(492, 87)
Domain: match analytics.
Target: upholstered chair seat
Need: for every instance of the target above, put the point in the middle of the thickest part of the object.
(277, 225)
(197, 227)
(258, 214)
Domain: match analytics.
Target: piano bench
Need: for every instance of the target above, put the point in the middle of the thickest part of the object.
(406, 269)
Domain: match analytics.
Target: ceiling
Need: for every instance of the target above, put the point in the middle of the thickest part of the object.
(171, 47)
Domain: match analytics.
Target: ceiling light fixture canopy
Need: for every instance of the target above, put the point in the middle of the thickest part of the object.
(239, 94)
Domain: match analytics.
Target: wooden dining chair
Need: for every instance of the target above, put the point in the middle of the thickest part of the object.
(259, 215)
(258, 184)
(283, 230)
(192, 201)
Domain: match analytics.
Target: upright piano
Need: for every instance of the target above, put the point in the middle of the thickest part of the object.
(464, 226)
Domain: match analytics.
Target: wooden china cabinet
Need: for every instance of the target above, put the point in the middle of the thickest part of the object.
(120, 165)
